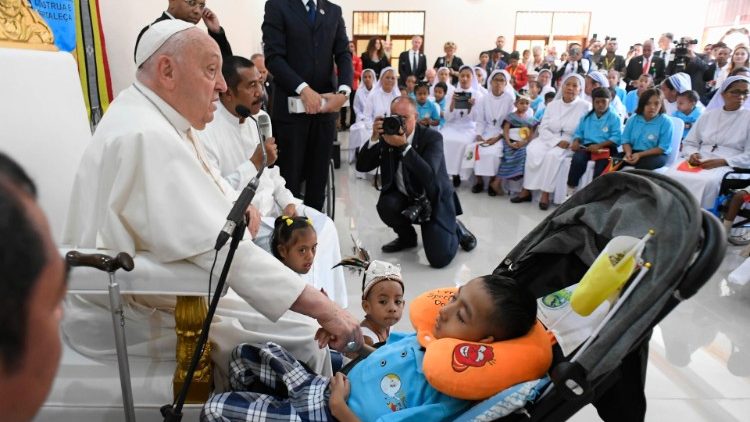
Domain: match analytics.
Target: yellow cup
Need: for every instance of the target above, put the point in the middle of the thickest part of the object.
(605, 276)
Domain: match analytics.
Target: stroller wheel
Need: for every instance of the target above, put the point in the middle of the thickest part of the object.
(739, 236)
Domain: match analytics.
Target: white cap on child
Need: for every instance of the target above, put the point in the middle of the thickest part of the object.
(379, 271)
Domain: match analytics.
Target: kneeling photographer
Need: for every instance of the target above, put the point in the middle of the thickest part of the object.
(416, 187)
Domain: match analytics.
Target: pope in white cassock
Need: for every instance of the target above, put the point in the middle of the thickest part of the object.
(232, 147)
(144, 184)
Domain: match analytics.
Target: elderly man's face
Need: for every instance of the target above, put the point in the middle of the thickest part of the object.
(416, 43)
(33, 376)
(199, 81)
(187, 10)
(260, 64)
(648, 48)
(249, 92)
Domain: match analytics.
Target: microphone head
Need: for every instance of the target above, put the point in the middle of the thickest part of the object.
(264, 122)
(243, 111)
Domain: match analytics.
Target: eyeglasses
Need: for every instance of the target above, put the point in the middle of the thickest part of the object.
(194, 3)
(738, 93)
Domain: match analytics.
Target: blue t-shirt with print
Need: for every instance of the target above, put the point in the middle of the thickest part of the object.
(389, 385)
(643, 135)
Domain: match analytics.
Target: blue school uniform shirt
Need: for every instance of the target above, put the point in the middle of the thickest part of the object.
(389, 385)
(631, 101)
(593, 129)
(441, 110)
(643, 135)
(689, 119)
(537, 101)
(539, 114)
(621, 93)
(428, 109)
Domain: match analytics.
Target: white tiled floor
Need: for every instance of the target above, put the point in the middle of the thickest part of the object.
(688, 375)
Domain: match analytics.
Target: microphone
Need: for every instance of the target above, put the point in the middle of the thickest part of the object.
(264, 131)
(237, 213)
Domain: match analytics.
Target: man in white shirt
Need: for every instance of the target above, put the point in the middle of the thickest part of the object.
(232, 147)
(665, 48)
(144, 184)
(412, 62)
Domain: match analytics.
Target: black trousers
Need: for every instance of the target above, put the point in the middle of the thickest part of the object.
(305, 146)
(440, 243)
(578, 164)
(652, 162)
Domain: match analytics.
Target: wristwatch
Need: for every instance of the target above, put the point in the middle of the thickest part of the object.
(344, 93)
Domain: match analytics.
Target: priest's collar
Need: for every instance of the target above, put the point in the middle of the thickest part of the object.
(173, 116)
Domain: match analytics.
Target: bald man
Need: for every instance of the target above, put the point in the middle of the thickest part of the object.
(144, 184)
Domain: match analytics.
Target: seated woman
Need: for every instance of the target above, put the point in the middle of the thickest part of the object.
(545, 153)
(718, 141)
(389, 382)
(459, 128)
(489, 114)
(673, 86)
(647, 138)
(378, 104)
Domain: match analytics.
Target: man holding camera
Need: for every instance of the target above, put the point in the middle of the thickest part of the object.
(416, 187)
(685, 60)
(576, 62)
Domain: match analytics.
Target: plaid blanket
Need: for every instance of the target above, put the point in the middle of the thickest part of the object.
(269, 385)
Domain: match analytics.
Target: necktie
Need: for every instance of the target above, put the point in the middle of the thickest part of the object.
(646, 65)
(414, 61)
(311, 11)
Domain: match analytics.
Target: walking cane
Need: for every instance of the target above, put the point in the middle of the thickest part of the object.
(111, 265)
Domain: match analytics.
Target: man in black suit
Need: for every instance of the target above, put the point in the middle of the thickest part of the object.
(690, 64)
(665, 48)
(646, 63)
(500, 44)
(412, 165)
(193, 11)
(412, 62)
(301, 39)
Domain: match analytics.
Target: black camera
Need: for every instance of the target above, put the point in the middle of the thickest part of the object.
(393, 125)
(461, 100)
(420, 211)
(681, 53)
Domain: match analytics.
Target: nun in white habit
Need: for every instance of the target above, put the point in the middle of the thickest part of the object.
(366, 85)
(443, 75)
(544, 155)
(489, 114)
(378, 104)
(671, 87)
(460, 129)
(718, 141)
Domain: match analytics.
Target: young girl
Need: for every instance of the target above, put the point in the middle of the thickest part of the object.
(382, 300)
(598, 131)
(644, 82)
(518, 130)
(294, 243)
(439, 93)
(647, 138)
(411, 84)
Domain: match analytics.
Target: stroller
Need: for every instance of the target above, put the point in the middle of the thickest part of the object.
(687, 249)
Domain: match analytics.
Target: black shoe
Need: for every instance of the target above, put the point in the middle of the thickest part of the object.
(465, 238)
(479, 187)
(456, 181)
(398, 245)
(544, 206)
(518, 199)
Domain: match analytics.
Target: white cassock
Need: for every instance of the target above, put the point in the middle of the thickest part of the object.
(458, 132)
(229, 145)
(543, 156)
(143, 185)
(489, 114)
(717, 134)
(355, 131)
(377, 104)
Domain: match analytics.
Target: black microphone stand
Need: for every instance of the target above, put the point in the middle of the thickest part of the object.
(236, 222)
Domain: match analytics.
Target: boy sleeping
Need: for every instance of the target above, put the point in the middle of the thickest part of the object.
(388, 384)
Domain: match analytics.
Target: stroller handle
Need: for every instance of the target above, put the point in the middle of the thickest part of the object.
(100, 261)
(713, 249)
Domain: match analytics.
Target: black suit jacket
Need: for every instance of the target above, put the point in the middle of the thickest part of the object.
(404, 67)
(297, 51)
(635, 70)
(424, 168)
(696, 67)
(220, 37)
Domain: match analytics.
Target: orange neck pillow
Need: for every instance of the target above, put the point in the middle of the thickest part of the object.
(476, 371)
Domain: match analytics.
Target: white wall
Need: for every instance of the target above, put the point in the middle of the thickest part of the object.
(472, 24)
